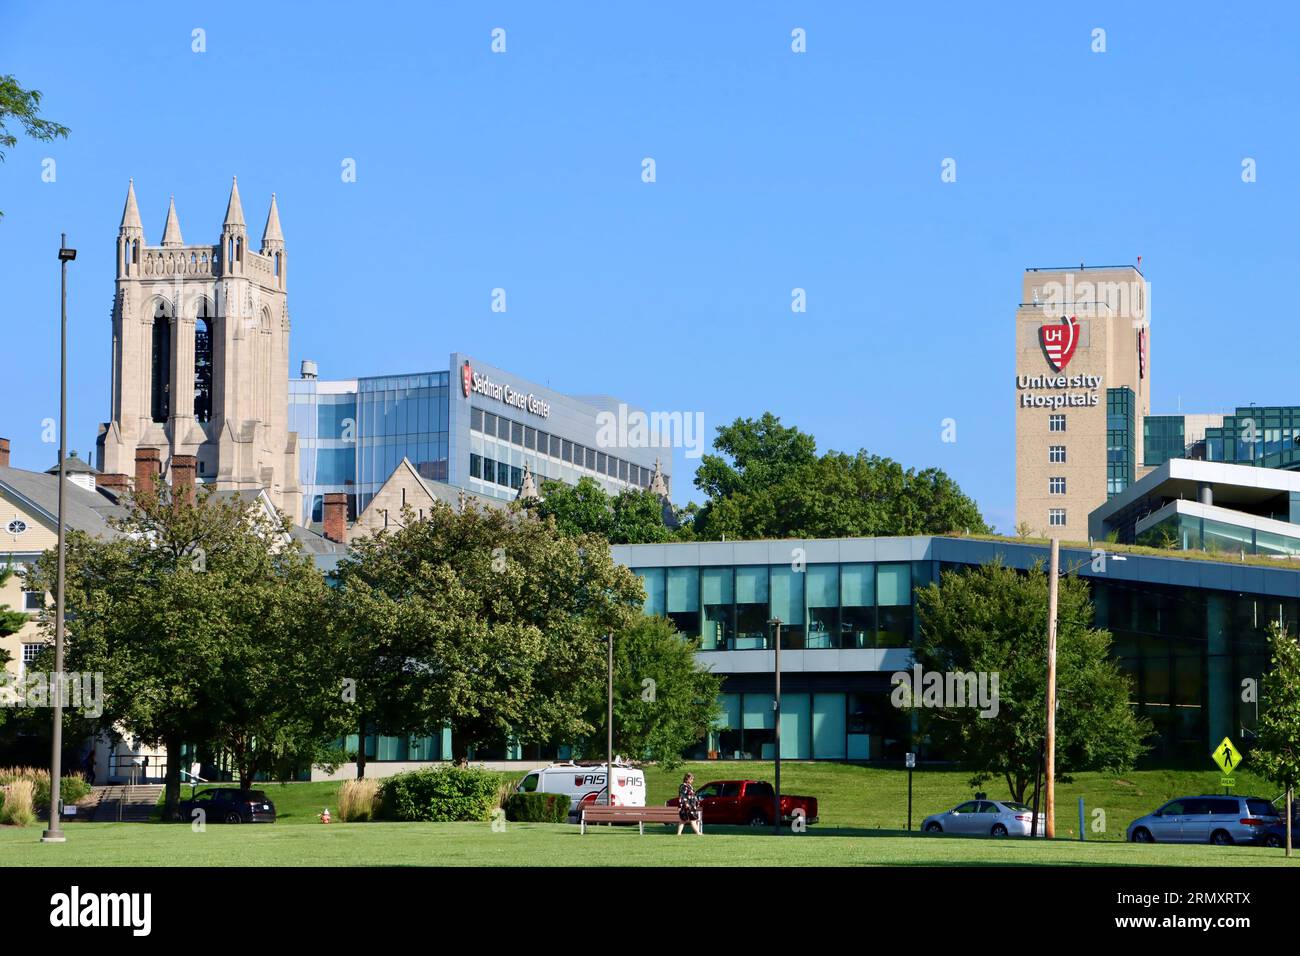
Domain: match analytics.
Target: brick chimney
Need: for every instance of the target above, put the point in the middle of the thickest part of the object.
(184, 468)
(336, 516)
(148, 466)
(115, 485)
(4, 452)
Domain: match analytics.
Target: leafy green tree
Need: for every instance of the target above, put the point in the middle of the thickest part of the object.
(199, 614)
(633, 516)
(488, 619)
(578, 509)
(775, 486)
(11, 622)
(993, 620)
(1277, 750)
(664, 699)
(23, 105)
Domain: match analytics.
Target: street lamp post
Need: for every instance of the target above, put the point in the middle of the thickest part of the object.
(776, 706)
(54, 832)
(609, 729)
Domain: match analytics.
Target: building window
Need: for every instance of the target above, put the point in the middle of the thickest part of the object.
(516, 477)
(516, 433)
(16, 527)
(1056, 486)
(203, 363)
(475, 466)
(1056, 517)
(600, 462)
(503, 473)
(33, 601)
(30, 653)
(530, 438)
(568, 451)
(161, 359)
(555, 446)
(1056, 454)
(489, 424)
(591, 458)
(1056, 423)
(476, 419)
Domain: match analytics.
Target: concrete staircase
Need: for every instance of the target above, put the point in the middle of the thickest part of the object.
(130, 804)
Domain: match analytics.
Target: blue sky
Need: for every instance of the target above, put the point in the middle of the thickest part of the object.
(774, 170)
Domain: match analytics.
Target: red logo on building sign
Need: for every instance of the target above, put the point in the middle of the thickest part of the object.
(1059, 342)
(466, 378)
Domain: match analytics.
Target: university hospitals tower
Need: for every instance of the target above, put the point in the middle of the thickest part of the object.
(1082, 390)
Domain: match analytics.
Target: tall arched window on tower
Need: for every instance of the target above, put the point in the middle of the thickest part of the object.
(203, 362)
(161, 362)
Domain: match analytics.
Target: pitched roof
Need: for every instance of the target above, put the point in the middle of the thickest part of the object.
(84, 510)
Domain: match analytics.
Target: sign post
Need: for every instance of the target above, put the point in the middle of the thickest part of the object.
(910, 760)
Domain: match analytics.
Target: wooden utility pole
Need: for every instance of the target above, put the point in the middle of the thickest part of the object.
(1050, 773)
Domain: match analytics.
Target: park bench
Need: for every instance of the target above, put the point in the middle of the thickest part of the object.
(638, 815)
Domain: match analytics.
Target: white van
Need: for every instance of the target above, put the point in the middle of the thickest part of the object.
(583, 782)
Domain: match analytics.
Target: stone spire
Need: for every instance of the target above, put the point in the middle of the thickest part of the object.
(527, 488)
(234, 209)
(657, 484)
(131, 212)
(172, 229)
(271, 234)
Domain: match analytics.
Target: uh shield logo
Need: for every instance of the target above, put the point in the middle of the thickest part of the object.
(466, 378)
(1059, 341)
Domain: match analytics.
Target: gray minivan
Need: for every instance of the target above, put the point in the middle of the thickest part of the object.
(1222, 820)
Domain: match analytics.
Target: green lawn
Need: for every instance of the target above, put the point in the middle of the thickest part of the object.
(536, 844)
(863, 813)
(863, 798)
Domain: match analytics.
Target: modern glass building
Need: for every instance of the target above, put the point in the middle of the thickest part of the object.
(1265, 436)
(473, 426)
(1121, 440)
(1188, 632)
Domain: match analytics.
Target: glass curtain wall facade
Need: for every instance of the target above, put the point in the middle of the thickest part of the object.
(352, 435)
(1187, 650)
(1163, 437)
(326, 427)
(1192, 532)
(1267, 436)
(1121, 457)
(400, 416)
(855, 605)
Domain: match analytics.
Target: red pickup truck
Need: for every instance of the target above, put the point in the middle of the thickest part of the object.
(748, 802)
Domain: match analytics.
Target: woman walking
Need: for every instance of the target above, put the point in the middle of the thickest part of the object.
(688, 805)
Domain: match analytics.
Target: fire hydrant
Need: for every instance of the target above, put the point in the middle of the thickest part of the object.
(325, 815)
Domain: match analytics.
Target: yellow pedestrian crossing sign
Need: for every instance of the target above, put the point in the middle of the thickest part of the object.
(1226, 756)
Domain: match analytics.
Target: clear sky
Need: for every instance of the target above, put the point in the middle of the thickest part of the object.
(775, 170)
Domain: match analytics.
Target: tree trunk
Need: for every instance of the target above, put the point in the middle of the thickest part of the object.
(1290, 804)
(172, 781)
(361, 747)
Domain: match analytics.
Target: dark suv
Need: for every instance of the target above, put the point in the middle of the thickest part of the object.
(228, 805)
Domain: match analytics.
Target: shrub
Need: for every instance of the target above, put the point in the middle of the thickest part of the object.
(357, 800)
(16, 807)
(441, 794)
(73, 788)
(537, 807)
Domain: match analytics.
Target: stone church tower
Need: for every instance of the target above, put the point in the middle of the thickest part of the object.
(201, 357)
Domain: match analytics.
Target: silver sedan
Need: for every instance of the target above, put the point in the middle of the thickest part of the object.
(997, 818)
